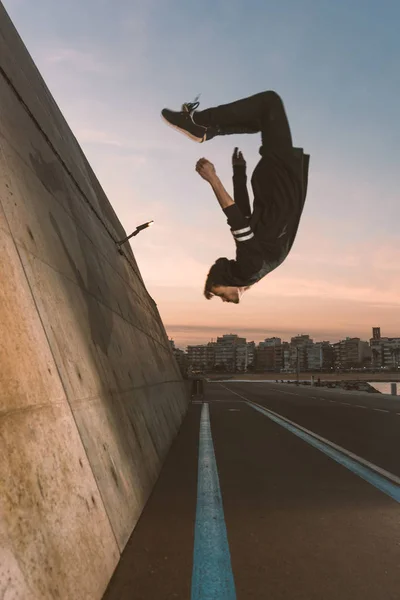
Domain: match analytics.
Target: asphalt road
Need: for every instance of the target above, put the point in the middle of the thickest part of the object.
(300, 524)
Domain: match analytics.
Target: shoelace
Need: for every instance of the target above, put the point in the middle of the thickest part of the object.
(191, 106)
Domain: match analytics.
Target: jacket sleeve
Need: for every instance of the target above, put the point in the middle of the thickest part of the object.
(240, 193)
(249, 254)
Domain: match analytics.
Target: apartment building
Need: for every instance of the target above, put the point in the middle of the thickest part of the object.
(298, 351)
(202, 356)
(351, 352)
(314, 357)
(385, 351)
(251, 354)
(327, 355)
(226, 350)
(273, 341)
(285, 356)
(269, 358)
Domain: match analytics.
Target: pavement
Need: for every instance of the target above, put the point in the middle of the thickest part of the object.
(272, 491)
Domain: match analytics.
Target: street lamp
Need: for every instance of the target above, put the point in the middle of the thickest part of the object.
(138, 229)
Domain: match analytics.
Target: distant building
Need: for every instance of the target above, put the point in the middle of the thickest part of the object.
(241, 358)
(385, 351)
(299, 346)
(365, 354)
(274, 341)
(269, 355)
(251, 355)
(314, 357)
(225, 351)
(327, 355)
(351, 353)
(265, 359)
(376, 333)
(201, 357)
(180, 357)
(285, 356)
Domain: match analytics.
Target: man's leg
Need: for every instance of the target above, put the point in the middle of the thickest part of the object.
(263, 112)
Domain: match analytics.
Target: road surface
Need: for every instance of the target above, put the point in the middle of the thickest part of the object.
(297, 496)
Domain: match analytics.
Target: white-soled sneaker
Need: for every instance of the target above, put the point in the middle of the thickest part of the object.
(183, 121)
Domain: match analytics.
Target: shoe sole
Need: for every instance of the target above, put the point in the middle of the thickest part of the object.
(183, 131)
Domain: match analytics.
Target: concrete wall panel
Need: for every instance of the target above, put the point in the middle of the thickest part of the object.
(54, 529)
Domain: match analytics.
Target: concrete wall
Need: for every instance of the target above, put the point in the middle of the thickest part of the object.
(90, 394)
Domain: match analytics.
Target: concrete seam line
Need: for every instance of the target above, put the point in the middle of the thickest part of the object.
(100, 301)
(212, 575)
(64, 389)
(98, 249)
(49, 142)
(336, 448)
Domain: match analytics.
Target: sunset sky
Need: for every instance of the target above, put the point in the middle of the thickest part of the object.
(113, 65)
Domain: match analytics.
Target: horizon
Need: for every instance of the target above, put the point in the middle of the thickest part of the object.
(111, 70)
(257, 341)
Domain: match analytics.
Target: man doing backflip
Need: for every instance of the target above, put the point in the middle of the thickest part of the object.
(265, 236)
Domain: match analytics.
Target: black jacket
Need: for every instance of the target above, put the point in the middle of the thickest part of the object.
(264, 238)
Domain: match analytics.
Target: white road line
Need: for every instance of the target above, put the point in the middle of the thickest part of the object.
(361, 460)
(360, 406)
(380, 410)
(226, 401)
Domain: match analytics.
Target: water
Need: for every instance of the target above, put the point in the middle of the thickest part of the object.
(384, 386)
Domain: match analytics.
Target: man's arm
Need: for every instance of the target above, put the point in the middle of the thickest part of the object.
(206, 170)
(240, 193)
(221, 194)
(249, 255)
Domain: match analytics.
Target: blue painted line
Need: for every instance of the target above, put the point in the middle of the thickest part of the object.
(212, 577)
(365, 473)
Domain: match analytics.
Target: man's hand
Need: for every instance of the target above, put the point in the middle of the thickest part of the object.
(206, 170)
(237, 158)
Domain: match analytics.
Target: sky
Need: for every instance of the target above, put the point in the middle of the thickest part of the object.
(113, 65)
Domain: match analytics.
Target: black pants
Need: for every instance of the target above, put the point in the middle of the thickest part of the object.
(263, 112)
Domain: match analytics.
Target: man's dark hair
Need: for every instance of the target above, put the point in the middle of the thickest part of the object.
(208, 286)
(221, 274)
(217, 275)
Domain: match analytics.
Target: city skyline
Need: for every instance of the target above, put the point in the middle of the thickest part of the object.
(233, 353)
(112, 67)
(384, 335)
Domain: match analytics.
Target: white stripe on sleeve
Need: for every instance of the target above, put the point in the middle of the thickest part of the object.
(244, 230)
(246, 237)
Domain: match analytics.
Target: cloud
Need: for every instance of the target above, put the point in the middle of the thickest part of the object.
(93, 136)
(386, 257)
(323, 288)
(333, 260)
(79, 60)
(76, 61)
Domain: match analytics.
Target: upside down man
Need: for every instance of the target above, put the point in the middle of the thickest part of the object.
(263, 237)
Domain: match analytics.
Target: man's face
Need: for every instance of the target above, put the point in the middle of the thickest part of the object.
(228, 293)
